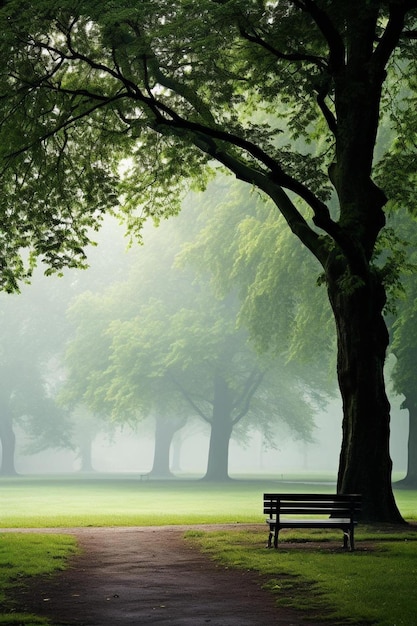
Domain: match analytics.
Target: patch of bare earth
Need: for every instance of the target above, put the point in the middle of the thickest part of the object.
(150, 575)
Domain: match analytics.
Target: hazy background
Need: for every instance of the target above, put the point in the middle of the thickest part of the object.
(121, 448)
(131, 452)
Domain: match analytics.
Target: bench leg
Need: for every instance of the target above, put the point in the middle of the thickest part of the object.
(271, 532)
(348, 540)
(351, 540)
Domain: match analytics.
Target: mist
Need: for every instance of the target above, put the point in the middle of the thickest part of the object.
(52, 423)
(131, 453)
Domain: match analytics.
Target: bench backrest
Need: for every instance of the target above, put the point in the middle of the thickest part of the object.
(343, 506)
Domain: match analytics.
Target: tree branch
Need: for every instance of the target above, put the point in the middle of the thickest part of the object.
(64, 125)
(254, 380)
(254, 37)
(189, 399)
(391, 36)
(332, 36)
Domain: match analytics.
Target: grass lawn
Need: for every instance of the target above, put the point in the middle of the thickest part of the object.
(63, 502)
(376, 584)
(23, 555)
(117, 502)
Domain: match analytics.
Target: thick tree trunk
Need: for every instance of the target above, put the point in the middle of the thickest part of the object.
(165, 429)
(221, 431)
(8, 446)
(365, 463)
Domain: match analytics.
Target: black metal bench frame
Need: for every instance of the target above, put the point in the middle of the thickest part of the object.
(335, 511)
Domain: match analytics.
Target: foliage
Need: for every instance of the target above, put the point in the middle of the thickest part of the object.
(159, 89)
(156, 343)
(245, 247)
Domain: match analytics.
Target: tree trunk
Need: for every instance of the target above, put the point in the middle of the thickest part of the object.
(165, 429)
(221, 431)
(410, 479)
(365, 463)
(8, 446)
(176, 454)
(85, 449)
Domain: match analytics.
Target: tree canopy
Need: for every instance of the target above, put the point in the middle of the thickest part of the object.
(163, 343)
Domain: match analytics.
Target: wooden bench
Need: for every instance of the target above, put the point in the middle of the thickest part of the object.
(334, 511)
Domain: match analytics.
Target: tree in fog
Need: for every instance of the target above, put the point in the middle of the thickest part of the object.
(173, 350)
(170, 88)
(397, 173)
(404, 380)
(197, 357)
(29, 332)
(32, 340)
(404, 376)
(87, 356)
(281, 305)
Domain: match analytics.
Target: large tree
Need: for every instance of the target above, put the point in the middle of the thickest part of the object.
(167, 88)
(163, 344)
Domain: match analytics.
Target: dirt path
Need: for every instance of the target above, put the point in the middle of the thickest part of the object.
(150, 576)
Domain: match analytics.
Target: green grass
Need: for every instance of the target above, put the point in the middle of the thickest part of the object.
(23, 555)
(63, 503)
(375, 585)
(36, 502)
(358, 584)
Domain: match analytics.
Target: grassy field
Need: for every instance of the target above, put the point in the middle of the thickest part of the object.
(375, 584)
(40, 502)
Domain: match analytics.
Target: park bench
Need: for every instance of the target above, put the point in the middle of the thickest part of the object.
(319, 511)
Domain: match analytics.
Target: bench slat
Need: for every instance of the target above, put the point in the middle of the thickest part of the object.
(312, 523)
(293, 497)
(303, 510)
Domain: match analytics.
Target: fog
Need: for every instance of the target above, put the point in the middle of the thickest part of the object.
(130, 453)
(59, 437)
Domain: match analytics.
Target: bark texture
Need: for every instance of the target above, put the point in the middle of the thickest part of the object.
(365, 464)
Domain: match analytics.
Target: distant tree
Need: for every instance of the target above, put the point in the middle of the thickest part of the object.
(165, 429)
(85, 428)
(32, 339)
(404, 374)
(178, 353)
(27, 349)
(281, 304)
